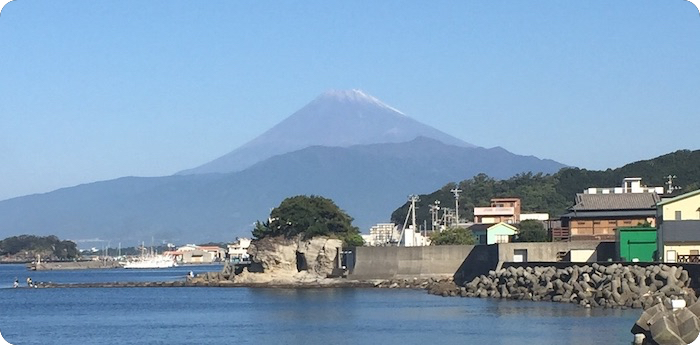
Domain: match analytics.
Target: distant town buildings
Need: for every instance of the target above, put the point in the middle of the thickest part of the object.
(643, 223)
(629, 185)
(194, 254)
(505, 210)
(382, 234)
(238, 250)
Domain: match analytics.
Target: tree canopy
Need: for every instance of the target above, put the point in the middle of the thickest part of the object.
(532, 231)
(309, 216)
(453, 235)
(49, 247)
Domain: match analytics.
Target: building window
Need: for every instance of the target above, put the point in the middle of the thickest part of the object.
(501, 238)
(679, 216)
(628, 222)
(670, 256)
(520, 255)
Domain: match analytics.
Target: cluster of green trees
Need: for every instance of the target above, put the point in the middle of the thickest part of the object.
(555, 193)
(49, 247)
(453, 235)
(309, 216)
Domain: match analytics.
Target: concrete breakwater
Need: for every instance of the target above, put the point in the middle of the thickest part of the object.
(613, 286)
(668, 323)
(337, 283)
(72, 265)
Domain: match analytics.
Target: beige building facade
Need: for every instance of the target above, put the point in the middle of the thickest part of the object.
(679, 228)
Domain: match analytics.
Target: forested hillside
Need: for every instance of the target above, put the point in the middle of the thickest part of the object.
(556, 192)
(27, 247)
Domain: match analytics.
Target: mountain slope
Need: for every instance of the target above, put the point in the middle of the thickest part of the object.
(335, 118)
(554, 193)
(365, 180)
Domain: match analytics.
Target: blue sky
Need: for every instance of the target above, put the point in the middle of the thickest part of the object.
(95, 90)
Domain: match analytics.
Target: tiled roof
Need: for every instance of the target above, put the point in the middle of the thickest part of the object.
(480, 227)
(610, 213)
(625, 201)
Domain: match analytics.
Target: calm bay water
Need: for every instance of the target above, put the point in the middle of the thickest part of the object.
(273, 316)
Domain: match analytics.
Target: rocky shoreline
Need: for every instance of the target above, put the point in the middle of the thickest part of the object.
(614, 286)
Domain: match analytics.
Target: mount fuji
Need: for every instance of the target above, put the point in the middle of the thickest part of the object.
(336, 118)
(344, 145)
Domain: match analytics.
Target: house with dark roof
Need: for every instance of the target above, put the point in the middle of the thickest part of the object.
(678, 220)
(596, 216)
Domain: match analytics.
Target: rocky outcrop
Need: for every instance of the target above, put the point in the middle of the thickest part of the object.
(284, 261)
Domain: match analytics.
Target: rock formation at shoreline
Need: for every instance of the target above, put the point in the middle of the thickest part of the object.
(283, 261)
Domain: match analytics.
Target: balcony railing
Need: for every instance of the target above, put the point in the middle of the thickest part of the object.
(689, 258)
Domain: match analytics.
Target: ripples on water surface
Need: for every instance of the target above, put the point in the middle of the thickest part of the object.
(272, 316)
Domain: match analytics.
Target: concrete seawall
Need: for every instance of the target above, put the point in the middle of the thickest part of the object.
(466, 262)
(73, 265)
(408, 262)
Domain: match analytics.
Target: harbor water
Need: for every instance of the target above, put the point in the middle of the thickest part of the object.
(281, 316)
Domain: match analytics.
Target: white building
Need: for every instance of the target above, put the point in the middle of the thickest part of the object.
(239, 249)
(412, 238)
(542, 217)
(629, 185)
(382, 234)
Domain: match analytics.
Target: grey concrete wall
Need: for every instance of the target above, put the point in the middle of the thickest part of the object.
(462, 262)
(408, 262)
(547, 252)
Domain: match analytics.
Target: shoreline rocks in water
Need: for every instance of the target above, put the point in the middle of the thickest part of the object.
(614, 286)
(280, 261)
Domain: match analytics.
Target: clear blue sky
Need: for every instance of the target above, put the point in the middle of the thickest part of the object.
(95, 90)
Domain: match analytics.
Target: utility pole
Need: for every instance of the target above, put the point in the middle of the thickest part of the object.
(414, 198)
(456, 192)
(670, 185)
(411, 213)
(435, 214)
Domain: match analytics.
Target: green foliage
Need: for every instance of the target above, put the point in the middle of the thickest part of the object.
(532, 231)
(453, 235)
(49, 247)
(645, 224)
(309, 216)
(554, 194)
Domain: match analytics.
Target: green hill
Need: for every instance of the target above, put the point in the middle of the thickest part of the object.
(556, 192)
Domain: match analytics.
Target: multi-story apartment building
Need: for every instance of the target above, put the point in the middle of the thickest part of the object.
(506, 210)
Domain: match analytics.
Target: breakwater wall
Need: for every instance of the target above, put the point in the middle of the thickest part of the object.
(592, 285)
(337, 283)
(466, 262)
(407, 262)
(73, 265)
